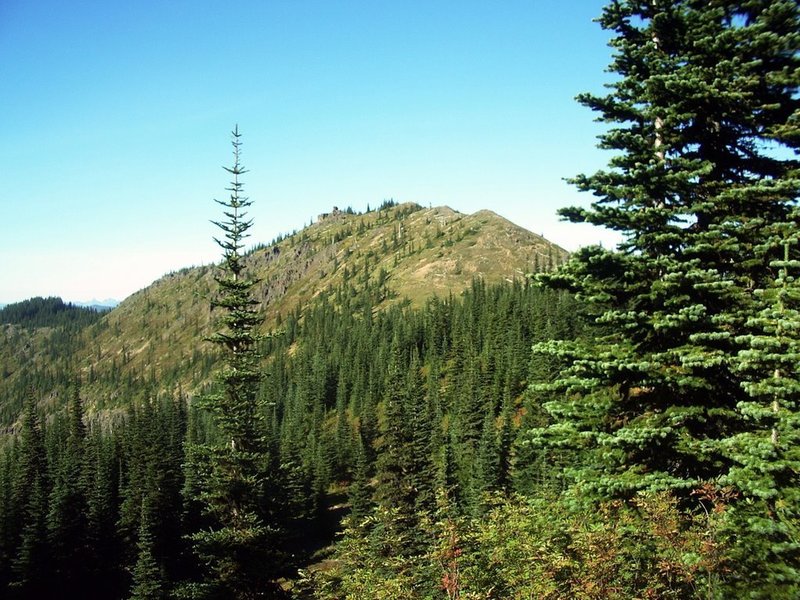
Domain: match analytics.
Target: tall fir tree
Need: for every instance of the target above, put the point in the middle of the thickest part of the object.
(7, 525)
(238, 549)
(421, 420)
(394, 490)
(767, 456)
(31, 490)
(705, 129)
(148, 583)
(67, 518)
(102, 477)
(359, 492)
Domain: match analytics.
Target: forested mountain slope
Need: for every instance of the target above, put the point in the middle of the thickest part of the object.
(39, 339)
(154, 341)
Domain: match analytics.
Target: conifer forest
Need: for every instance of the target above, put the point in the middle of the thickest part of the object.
(613, 424)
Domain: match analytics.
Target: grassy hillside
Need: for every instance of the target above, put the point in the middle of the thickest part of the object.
(154, 340)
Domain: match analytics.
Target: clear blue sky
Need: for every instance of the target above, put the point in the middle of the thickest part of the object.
(115, 120)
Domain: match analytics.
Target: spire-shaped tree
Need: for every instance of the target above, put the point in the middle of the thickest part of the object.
(30, 565)
(148, 581)
(704, 125)
(238, 549)
(67, 518)
(359, 492)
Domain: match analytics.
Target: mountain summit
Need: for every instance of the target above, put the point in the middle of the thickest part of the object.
(398, 254)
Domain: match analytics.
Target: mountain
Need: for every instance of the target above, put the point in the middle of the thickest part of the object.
(98, 305)
(47, 312)
(153, 341)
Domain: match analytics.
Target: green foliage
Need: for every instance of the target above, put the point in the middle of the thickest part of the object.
(414, 362)
(74, 498)
(37, 350)
(541, 549)
(329, 381)
(767, 467)
(538, 548)
(237, 549)
(67, 524)
(682, 382)
(30, 563)
(147, 576)
(367, 566)
(48, 312)
(151, 483)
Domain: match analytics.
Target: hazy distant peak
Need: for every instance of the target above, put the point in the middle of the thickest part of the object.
(106, 304)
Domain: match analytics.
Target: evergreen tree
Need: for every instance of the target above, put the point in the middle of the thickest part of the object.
(706, 136)
(766, 458)
(238, 549)
(102, 477)
(67, 519)
(148, 581)
(394, 486)
(422, 470)
(359, 492)
(6, 515)
(30, 563)
(487, 464)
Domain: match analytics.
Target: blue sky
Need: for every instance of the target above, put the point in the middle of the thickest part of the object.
(116, 120)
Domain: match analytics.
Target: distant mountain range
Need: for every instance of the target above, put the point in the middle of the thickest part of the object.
(98, 305)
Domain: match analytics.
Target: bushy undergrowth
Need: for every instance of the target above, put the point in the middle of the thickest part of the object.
(522, 548)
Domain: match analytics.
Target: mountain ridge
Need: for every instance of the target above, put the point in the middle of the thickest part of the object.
(153, 341)
(99, 305)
